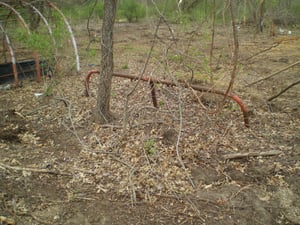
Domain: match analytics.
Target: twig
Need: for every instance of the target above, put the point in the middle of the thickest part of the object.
(17, 168)
(273, 74)
(235, 50)
(194, 207)
(240, 190)
(262, 51)
(284, 90)
(234, 58)
(212, 41)
(252, 154)
(133, 189)
(121, 161)
(72, 128)
(66, 103)
(88, 25)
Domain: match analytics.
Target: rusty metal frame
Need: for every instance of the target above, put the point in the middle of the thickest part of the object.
(153, 81)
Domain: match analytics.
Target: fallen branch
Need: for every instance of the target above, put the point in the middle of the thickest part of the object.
(17, 168)
(262, 51)
(252, 154)
(273, 74)
(284, 90)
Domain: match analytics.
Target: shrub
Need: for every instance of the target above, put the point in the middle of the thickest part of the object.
(131, 10)
(79, 12)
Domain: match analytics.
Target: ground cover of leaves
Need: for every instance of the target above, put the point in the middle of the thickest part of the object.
(155, 166)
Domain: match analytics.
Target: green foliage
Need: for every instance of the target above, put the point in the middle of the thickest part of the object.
(295, 9)
(198, 13)
(80, 12)
(149, 147)
(60, 30)
(34, 41)
(40, 39)
(131, 10)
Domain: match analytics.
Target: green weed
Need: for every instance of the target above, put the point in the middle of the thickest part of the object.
(125, 66)
(149, 146)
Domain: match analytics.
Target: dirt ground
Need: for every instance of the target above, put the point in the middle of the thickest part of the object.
(171, 165)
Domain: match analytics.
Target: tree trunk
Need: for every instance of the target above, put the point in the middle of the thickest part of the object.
(102, 112)
(261, 8)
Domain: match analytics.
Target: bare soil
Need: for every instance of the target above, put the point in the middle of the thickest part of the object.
(168, 165)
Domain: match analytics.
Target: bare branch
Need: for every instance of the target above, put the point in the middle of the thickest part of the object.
(284, 90)
(274, 74)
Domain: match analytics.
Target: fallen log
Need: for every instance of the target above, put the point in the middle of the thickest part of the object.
(153, 81)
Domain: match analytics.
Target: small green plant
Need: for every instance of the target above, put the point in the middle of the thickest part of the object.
(161, 103)
(149, 146)
(113, 94)
(48, 90)
(125, 66)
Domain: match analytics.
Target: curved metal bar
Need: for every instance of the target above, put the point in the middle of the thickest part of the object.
(169, 83)
(12, 54)
(18, 15)
(71, 34)
(44, 20)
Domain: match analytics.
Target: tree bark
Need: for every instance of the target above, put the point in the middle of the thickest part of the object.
(261, 8)
(102, 112)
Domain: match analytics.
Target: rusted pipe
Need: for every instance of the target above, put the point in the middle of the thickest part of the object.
(153, 94)
(87, 81)
(152, 81)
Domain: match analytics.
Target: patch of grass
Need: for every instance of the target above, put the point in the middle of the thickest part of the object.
(175, 58)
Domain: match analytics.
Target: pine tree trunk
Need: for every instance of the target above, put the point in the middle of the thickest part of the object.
(102, 112)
